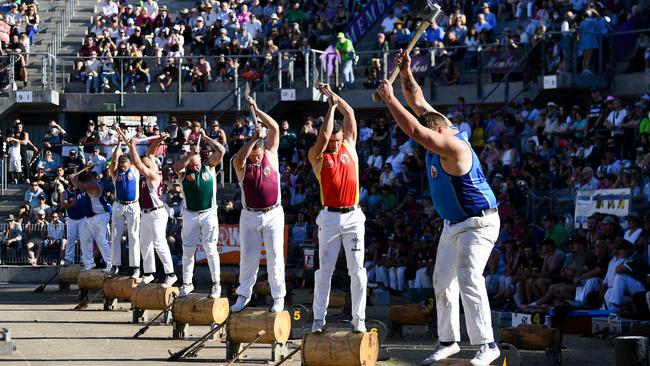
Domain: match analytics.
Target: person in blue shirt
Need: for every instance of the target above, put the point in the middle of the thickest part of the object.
(463, 198)
(434, 33)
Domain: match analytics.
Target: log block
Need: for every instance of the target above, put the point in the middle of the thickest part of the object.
(119, 288)
(631, 351)
(91, 280)
(152, 296)
(243, 326)
(228, 278)
(69, 274)
(262, 288)
(340, 348)
(532, 337)
(196, 309)
(409, 314)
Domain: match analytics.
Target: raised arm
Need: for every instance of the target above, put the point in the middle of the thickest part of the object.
(410, 88)
(135, 160)
(151, 151)
(273, 139)
(240, 158)
(324, 133)
(180, 165)
(429, 139)
(349, 121)
(117, 152)
(217, 155)
(90, 187)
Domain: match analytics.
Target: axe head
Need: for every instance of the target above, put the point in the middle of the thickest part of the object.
(427, 10)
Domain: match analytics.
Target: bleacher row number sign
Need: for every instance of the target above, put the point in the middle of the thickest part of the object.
(26, 96)
(288, 95)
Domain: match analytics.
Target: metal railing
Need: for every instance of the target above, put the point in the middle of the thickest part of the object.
(61, 27)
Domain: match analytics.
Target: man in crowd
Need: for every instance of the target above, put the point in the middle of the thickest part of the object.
(262, 217)
(75, 220)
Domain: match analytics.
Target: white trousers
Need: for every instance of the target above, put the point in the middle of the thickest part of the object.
(200, 228)
(623, 285)
(463, 251)
(397, 278)
(73, 229)
(586, 287)
(126, 217)
(153, 228)
(335, 229)
(95, 229)
(422, 279)
(256, 228)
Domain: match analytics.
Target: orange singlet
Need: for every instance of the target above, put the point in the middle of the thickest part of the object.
(339, 179)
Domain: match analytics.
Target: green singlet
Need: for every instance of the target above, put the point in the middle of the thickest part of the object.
(199, 189)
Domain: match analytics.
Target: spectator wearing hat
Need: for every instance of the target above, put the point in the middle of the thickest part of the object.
(12, 238)
(222, 40)
(345, 49)
(627, 276)
(163, 19)
(167, 75)
(55, 242)
(199, 33)
(36, 234)
(490, 17)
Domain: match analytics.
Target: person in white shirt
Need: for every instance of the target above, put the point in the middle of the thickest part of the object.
(93, 73)
(56, 235)
(387, 177)
(388, 24)
(481, 24)
(254, 27)
(98, 26)
(98, 161)
(587, 180)
(13, 17)
(152, 8)
(365, 132)
(463, 126)
(109, 8)
(375, 161)
(396, 159)
(108, 138)
(616, 117)
(634, 230)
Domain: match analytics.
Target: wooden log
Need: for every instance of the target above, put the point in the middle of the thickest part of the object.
(631, 351)
(409, 314)
(152, 296)
(532, 337)
(91, 280)
(69, 274)
(338, 299)
(262, 288)
(229, 278)
(242, 327)
(196, 309)
(119, 288)
(340, 348)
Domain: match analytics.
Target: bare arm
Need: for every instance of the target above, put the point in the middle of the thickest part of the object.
(69, 202)
(90, 187)
(324, 133)
(217, 155)
(430, 140)
(349, 121)
(240, 159)
(117, 152)
(180, 165)
(410, 88)
(151, 151)
(273, 139)
(135, 159)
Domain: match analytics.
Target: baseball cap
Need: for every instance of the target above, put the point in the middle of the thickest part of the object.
(199, 19)
(223, 31)
(130, 21)
(610, 98)
(41, 213)
(340, 35)
(609, 220)
(274, 16)
(551, 104)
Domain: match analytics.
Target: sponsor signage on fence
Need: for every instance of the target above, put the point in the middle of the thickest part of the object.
(368, 15)
(228, 246)
(501, 62)
(605, 201)
(419, 65)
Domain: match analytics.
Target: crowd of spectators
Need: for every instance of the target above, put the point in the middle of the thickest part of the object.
(19, 24)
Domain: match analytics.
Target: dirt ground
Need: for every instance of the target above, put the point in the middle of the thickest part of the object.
(48, 332)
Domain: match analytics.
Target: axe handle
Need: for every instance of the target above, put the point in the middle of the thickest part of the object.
(416, 37)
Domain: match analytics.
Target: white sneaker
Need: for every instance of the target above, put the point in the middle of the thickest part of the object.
(147, 279)
(215, 291)
(135, 273)
(170, 280)
(110, 271)
(240, 304)
(318, 326)
(185, 290)
(441, 353)
(358, 326)
(485, 355)
(278, 305)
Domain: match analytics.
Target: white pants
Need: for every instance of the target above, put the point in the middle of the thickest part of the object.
(256, 228)
(153, 228)
(463, 252)
(586, 287)
(73, 229)
(126, 217)
(397, 278)
(200, 228)
(422, 279)
(95, 229)
(623, 285)
(335, 229)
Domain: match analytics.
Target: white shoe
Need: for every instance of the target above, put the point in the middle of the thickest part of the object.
(170, 280)
(240, 304)
(485, 355)
(185, 290)
(278, 305)
(318, 326)
(215, 291)
(110, 271)
(135, 273)
(441, 353)
(358, 326)
(148, 279)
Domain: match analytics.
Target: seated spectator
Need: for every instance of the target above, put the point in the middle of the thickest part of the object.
(138, 70)
(490, 17)
(555, 230)
(36, 234)
(32, 20)
(628, 277)
(12, 238)
(481, 24)
(590, 281)
(168, 75)
(56, 242)
(537, 283)
(201, 75)
(33, 193)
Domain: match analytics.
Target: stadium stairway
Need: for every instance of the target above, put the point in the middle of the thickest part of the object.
(13, 197)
